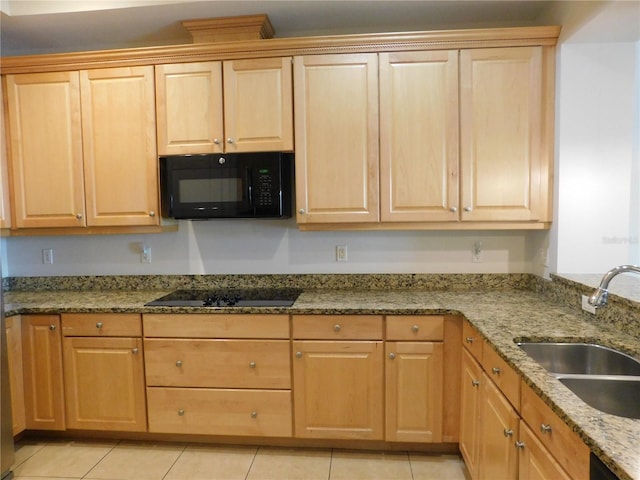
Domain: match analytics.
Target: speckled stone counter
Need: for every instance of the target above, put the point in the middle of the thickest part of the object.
(503, 316)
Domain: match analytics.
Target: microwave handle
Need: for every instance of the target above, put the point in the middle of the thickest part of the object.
(249, 180)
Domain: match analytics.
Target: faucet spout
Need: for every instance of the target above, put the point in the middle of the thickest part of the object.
(600, 295)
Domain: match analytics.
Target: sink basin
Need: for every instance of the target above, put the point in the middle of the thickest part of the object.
(581, 358)
(618, 395)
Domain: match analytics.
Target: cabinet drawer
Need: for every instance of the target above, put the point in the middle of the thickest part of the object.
(218, 363)
(566, 447)
(472, 340)
(205, 325)
(101, 325)
(415, 327)
(220, 412)
(505, 377)
(337, 327)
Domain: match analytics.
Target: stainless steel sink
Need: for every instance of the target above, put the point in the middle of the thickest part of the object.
(604, 378)
(615, 395)
(581, 358)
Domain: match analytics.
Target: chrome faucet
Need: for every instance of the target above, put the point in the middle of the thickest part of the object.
(599, 296)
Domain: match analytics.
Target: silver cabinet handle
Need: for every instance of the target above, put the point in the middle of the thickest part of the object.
(181, 412)
(298, 354)
(134, 350)
(337, 327)
(468, 209)
(496, 371)
(152, 213)
(508, 433)
(254, 414)
(454, 209)
(229, 140)
(216, 141)
(99, 325)
(178, 363)
(52, 327)
(475, 383)
(545, 428)
(469, 339)
(519, 445)
(392, 355)
(252, 364)
(415, 328)
(79, 216)
(301, 211)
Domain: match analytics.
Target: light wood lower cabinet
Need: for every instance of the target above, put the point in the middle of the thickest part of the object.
(535, 461)
(43, 380)
(470, 412)
(16, 382)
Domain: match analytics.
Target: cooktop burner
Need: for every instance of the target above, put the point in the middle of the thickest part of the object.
(257, 297)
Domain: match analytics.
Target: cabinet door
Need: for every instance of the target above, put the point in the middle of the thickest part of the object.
(414, 391)
(338, 389)
(45, 141)
(501, 133)
(16, 382)
(104, 383)
(470, 413)
(336, 129)
(43, 381)
(499, 431)
(5, 215)
(419, 136)
(534, 461)
(119, 141)
(189, 108)
(258, 105)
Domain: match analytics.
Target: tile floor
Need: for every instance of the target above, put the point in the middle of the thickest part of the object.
(127, 460)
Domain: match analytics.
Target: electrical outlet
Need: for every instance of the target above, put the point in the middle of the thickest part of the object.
(476, 252)
(47, 256)
(341, 253)
(145, 255)
(586, 306)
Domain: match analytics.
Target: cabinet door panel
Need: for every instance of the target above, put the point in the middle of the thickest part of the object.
(104, 383)
(16, 382)
(45, 140)
(336, 130)
(43, 381)
(258, 105)
(338, 390)
(535, 462)
(471, 382)
(501, 133)
(414, 391)
(419, 136)
(189, 108)
(119, 140)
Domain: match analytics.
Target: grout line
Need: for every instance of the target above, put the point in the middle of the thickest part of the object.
(330, 463)
(103, 457)
(252, 460)
(184, 447)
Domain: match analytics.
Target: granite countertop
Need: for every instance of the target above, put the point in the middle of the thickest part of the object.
(503, 317)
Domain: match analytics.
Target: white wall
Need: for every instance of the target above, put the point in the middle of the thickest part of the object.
(271, 246)
(597, 135)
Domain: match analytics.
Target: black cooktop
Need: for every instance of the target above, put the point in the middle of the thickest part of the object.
(257, 297)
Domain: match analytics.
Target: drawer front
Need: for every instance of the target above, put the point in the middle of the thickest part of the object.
(220, 412)
(472, 340)
(505, 377)
(337, 327)
(218, 363)
(101, 325)
(565, 446)
(205, 325)
(415, 327)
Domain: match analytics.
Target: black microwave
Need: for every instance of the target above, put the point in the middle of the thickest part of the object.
(235, 185)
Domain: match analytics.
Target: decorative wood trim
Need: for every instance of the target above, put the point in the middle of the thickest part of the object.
(357, 43)
(244, 27)
(308, 227)
(33, 232)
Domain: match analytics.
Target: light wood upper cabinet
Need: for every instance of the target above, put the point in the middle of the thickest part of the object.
(336, 129)
(46, 149)
(255, 96)
(189, 108)
(501, 134)
(419, 136)
(118, 126)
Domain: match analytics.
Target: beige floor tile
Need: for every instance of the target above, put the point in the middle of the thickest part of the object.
(64, 459)
(290, 464)
(24, 450)
(348, 465)
(436, 467)
(212, 463)
(137, 461)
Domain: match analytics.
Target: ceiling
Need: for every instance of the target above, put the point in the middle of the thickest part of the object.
(44, 26)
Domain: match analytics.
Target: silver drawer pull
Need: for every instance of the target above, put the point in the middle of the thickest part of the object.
(99, 325)
(519, 445)
(52, 327)
(181, 412)
(337, 327)
(475, 383)
(178, 363)
(496, 370)
(469, 339)
(252, 364)
(415, 328)
(134, 350)
(298, 354)
(392, 355)
(544, 428)
(507, 433)
(254, 414)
